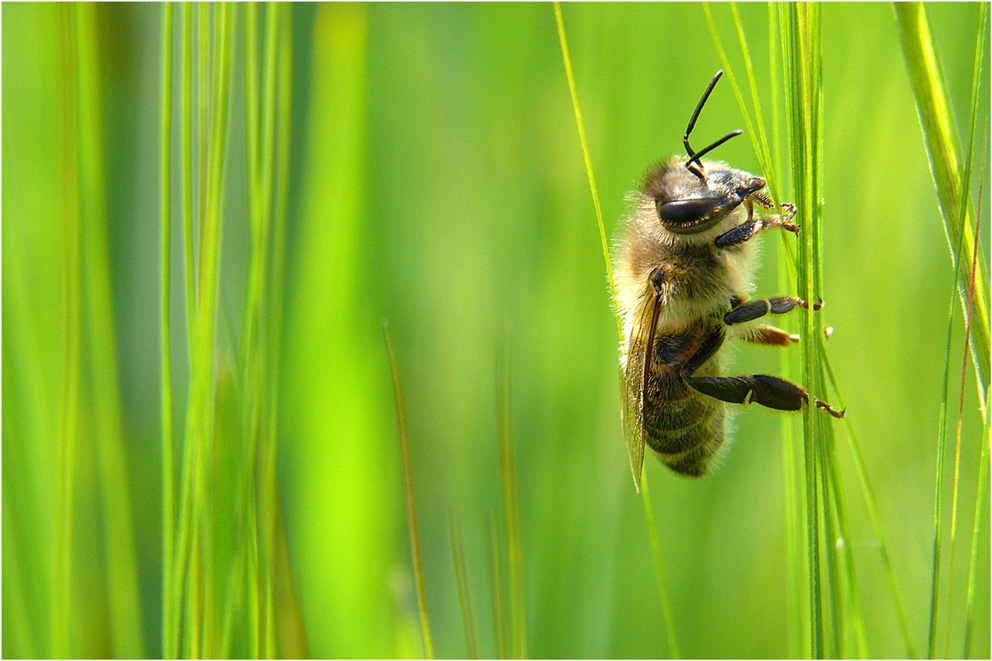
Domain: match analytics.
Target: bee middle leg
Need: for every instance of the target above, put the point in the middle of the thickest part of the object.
(766, 334)
(759, 307)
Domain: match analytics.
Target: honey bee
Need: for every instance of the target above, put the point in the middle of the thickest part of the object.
(683, 272)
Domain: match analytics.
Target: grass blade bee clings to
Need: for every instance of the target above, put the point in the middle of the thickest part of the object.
(683, 272)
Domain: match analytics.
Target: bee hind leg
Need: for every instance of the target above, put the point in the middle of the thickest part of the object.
(764, 389)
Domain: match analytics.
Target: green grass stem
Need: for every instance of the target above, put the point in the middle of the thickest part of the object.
(587, 160)
(71, 339)
(666, 609)
(500, 630)
(168, 479)
(411, 508)
(870, 503)
(978, 527)
(103, 386)
(947, 166)
(464, 588)
(511, 513)
(801, 23)
(186, 138)
(976, 71)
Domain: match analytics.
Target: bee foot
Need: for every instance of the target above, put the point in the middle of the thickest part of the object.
(823, 406)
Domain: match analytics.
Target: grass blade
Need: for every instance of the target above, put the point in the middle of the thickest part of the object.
(464, 589)
(71, 338)
(666, 609)
(870, 504)
(103, 386)
(168, 504)
(411, 509)
(979, 525)
(946, 166)
(804, 104)
(511, 512)
(500, 632)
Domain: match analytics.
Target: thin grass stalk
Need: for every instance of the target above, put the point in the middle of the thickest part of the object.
(71, 339)
(187, 566)
(978, 527)
(411, 508)
(983, 462)
(200, 626)
(267, 480)
(100, 353)
(168, 498)
(942, 421)
(586, 158)
(500, 632)
(870, 503)
(854, 624)
(803, 93)
(790, 460)
(666, 610)
(268, 500)
(957, 454)
(253, 379)
(511, 513)
(785, 282)
(462, 584)
(976, 70)
(944, 151)
(186, 138)
(831, 536)
(824, 424)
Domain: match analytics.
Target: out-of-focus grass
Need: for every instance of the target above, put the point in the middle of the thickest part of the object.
(433, 177)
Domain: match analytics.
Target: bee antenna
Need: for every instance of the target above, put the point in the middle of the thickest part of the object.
(693, 164)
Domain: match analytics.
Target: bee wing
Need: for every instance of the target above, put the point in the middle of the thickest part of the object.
(633, 381)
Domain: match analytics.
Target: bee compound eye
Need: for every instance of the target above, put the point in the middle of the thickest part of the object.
(688, 215)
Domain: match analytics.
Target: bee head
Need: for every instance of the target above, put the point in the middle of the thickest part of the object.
(692, 195)
(688, 204)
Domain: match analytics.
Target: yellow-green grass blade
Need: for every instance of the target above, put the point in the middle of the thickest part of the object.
(947, 165)
(71, 339)
(463, 585)
(168, 479)
(511, 513)
(801, 27)
(411, 508)
(500, 631)
(340, 498)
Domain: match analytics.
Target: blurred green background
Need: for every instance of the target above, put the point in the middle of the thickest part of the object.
(437, 182)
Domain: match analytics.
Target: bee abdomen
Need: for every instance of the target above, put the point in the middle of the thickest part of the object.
(684, 428)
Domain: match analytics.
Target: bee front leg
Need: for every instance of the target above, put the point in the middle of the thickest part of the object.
(746, 230)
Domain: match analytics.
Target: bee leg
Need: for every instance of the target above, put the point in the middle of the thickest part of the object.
(765, 334)
(764, 389)
(759, 307)
(737, 235)
(746, 230)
